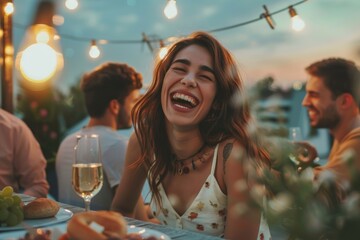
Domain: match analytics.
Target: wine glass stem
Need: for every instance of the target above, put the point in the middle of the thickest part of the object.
(87, 204)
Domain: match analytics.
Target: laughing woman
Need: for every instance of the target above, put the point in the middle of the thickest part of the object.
(192, 142)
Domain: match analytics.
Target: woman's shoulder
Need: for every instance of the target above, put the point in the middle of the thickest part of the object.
(134, 141)
(229, 146)
(229, 150)
(133, 151)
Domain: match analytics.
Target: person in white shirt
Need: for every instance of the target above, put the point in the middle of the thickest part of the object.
(110, 92)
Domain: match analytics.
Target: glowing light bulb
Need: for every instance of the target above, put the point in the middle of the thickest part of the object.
(42, 37)
(94, 51)
(296, 22)
(58, 20)
(38, 62)
(9, 8)
(71, 4)
(39, 58)
(170, 9)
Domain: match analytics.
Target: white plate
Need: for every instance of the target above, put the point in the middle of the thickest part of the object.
(61, 216)
(147, 232)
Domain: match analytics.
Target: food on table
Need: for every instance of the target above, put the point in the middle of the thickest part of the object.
(41, 208)
(37, 235)
(113, 223)
(109, 225)
(11, 212)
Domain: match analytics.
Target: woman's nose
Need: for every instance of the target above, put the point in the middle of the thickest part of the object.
(189, 80)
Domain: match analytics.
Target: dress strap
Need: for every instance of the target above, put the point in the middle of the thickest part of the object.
(214, 160)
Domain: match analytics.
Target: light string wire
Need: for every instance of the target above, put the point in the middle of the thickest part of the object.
(256, 19)
(148, 40)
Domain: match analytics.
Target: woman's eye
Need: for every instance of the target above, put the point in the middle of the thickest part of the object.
(178, 69)
(205, 77)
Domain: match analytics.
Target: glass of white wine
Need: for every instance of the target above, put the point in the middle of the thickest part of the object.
(295, 136)
(87, 172)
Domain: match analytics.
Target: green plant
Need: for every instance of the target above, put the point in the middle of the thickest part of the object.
(311, 209)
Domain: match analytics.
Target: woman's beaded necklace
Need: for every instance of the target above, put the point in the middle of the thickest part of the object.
(181, 166)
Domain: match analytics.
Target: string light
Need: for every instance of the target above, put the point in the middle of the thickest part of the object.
(39, 58)
(296, 22)
(6, 54)
(267, 15)
(9, 8)
(39, 61)
(58, 20)
(71, 4)
(170, 9)
(94, 51)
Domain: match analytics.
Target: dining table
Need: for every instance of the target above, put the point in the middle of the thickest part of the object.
(58, 227)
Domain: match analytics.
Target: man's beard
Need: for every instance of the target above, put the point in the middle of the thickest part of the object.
(330, 118)
(123, 120)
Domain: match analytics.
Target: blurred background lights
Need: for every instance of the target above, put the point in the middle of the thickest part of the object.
(39, 58)
(42, 37)
(9, 8)
(94, 51)
(38, 62)
(170, 9)
(297, 85)
(71, 4)
(58, 20)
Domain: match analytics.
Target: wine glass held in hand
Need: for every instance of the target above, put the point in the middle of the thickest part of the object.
(304, 153)
(87, 172)
(295, 136)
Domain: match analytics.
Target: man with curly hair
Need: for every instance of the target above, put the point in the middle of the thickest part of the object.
(110, 91)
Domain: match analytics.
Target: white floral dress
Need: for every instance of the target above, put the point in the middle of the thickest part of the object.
(206, 214)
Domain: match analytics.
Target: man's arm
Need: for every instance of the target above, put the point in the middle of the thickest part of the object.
(29, 163)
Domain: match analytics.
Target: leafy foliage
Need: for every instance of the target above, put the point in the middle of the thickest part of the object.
(311, 209)
(49, 113)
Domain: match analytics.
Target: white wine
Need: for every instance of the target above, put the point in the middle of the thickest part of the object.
(87, 179)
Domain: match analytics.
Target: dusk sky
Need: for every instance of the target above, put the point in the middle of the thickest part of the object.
(332, 30)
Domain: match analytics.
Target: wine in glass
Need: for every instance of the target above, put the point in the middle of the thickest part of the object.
(87, 172)
(295, 136)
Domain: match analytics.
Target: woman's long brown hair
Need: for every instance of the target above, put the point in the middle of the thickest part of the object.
(224, 121)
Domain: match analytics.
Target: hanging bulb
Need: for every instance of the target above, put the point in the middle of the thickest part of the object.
(39, 59)
(170, 9)
(42, 36)
(71, 4)
(296, 22)
(94, 51)
(9, 8)
(41, 67)
(58, 20)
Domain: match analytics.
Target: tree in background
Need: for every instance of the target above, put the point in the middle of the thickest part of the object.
(49, 113)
